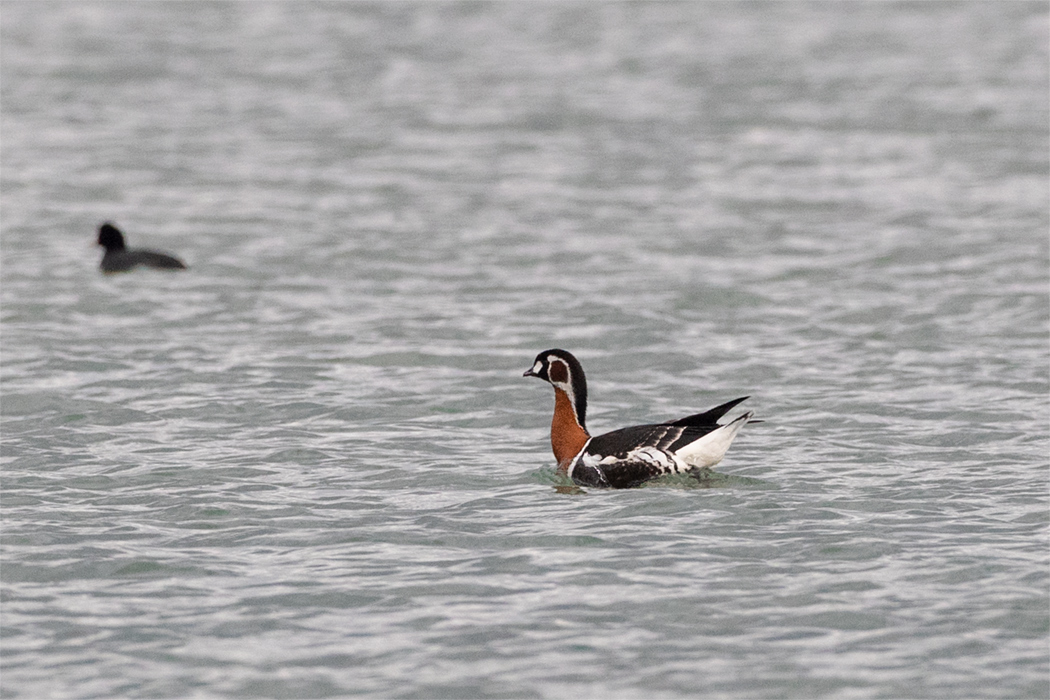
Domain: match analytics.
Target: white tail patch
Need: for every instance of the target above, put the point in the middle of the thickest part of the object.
(708, 450)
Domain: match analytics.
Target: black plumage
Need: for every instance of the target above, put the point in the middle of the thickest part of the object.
(119, 258)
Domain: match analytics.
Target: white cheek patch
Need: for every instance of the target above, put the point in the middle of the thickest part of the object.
(537, 367)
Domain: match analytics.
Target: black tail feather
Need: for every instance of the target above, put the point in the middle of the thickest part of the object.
(711, 416)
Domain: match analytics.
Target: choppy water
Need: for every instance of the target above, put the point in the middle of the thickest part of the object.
(310, 467)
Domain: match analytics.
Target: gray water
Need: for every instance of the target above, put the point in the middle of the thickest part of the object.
(310, 466)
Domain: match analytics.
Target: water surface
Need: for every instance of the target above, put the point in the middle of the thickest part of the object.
(310, 467)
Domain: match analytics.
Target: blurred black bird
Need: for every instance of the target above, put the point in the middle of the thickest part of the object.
(119, 258)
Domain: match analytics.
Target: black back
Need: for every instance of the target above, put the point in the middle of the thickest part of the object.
(711, 416)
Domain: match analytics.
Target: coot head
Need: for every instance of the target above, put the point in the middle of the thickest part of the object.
(110, 237)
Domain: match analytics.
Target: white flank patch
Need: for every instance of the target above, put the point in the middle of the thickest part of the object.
(656, 457)
(576, 459)
(709, 450)
(646, 455)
